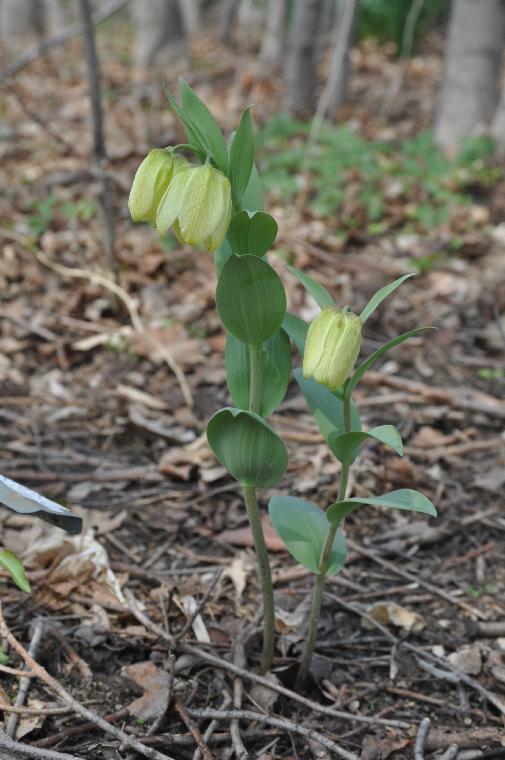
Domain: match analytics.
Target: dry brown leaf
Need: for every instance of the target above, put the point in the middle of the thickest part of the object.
(243, 536)
(401, 617)
(154, 682)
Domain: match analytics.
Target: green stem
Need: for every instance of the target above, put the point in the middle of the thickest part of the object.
(253, 514)
(266, 579)
(320, 579)
(255, 379)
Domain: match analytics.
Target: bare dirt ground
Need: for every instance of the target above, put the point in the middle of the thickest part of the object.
(159, 596)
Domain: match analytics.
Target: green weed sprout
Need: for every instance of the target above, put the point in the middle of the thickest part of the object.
(215, 201)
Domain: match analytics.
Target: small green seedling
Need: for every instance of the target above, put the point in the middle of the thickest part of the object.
(214, 201)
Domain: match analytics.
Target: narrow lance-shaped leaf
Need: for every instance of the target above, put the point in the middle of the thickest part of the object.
(297, 329)
(242, 156)
(197, 111)
(303, 527)
(15, 568)
(381, 294)
(326, 406)
(252, 199)
(358, 374)
(193, 133)
(316, 290)
(346, 446)
(404, 498)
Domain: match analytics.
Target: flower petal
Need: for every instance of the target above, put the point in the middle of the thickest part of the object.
(202, 204)
(170, 204)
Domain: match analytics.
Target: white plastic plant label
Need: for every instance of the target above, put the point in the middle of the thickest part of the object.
(25, 501)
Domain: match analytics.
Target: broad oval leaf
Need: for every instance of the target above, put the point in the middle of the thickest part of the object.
(21, 499)
(346, 446)
(206, 124)
(252, 233)
(248, 447)
(404, 498)
(275, 371)
(241, 156)
(303, 527)
(358, 374)
(250, 299)
(15, 568)
(326, 406)
(316, 290)
(381, 294)
(223, 253)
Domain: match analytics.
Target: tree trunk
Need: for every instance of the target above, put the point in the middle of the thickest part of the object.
(190, 15)
(472, 70)
(272, 44)
(19, 18)
(158, 28)
(335, 90)
(498, 125)
(300, 76)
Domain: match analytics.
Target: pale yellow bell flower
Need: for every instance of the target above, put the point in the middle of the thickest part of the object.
(332, 347)
(149, 184)
(197, 203)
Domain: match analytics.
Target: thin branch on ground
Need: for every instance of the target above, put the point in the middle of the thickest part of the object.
(25, 682)
(286, 725)
(421, 737)
(209, 731)
(45, 677)
(238, 659)
(451, 753)
(185, 716)
(18, 750)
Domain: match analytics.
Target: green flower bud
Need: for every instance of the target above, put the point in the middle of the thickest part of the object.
(332, 347)
(198, 204)
(150, 182)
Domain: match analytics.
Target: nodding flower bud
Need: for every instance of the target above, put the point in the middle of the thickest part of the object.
(197, 202)
(332, 347)
(150, 182)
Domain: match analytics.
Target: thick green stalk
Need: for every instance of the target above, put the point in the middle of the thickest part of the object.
(320, 578)
(253, 514)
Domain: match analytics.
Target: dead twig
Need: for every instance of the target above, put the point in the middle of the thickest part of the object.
(25, 682)
(238, 659)
(451, 753)
(184, 714)
(209, 731)
(421, 736)
(18, 750)
(43, 675)
(286, 725)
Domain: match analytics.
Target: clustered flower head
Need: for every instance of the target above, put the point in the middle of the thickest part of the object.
(195, 201)
(332, 347)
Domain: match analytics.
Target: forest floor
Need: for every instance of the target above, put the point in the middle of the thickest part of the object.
(92, 415)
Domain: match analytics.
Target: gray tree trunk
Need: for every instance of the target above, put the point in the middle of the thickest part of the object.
(335, 89)
(498, 125)
(19, 18)
(190, 14)
(158, 30)
(472, 70)
(272, 44)
(300, 75)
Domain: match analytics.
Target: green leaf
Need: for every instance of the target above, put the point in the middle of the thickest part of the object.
(381, 294)
(404, 498)
(250, 299)
(346, 446)
(248, 447)
(252, 233)
(242, 156)
(326, 406)
(193, 133)
(15, 568)
(275, 371)
(199, 115)
(316, 290)
(297, 329)
(303, 528)
(223, 253)
(356, 377)
(252, 200)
